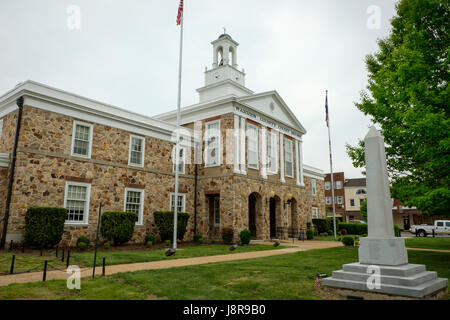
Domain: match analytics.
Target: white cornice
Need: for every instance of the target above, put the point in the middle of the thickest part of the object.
(313, 172)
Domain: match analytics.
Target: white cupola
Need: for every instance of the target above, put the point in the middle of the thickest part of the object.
(224, 79)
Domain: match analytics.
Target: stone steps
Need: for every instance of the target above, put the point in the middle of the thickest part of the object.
(405, 270)
(410, 281)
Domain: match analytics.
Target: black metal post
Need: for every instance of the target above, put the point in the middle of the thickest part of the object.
(96, 238)
(432, 231)
(68, 258)
(62, 256)
(44, 277)
(103, 266)
(11, 271)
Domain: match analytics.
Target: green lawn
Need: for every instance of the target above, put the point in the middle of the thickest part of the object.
(428, 243)
(279, 277)
(33, 262)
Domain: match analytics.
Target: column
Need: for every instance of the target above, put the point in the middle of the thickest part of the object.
(297, 162)
(300, 150)
(263, 152)
(282, 158)
(243, 131)
(236, 144)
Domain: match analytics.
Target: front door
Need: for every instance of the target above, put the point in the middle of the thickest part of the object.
(406, 223)
(273, 220)
(252, 215)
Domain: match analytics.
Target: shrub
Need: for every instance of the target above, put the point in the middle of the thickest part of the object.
(324, 234)
(397, 231)
(213, 241)
(167, 242)
(82, 246)
(343, 232)
(44, 226)
(354, 228)
(308, 225)
(117, 227)
(316, 233)
(309, 234)
(149, 237)
(323, 225)
(107, 245)
(83, 239)
(245, 236)
(364, 235)
(164, 222)
(330, 232)
(149, 243)
(348, 241)
(227, 235)
(198, 237)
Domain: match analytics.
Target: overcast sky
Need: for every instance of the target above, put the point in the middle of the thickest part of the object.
(126, 54)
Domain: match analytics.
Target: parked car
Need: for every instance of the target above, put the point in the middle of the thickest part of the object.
(439, 227)
(357, 221)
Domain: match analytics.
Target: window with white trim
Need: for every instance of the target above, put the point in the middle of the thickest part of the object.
(340, 200)
(272, 152)
(313, 187)
(181, 160)
(315, 212)
(137, 151)
(328, 200)
(181, 203)
(338, 184)
(352, 202)
(212, 144)
(361, 191)
(134, 202)
(252, 133)
(76, 201)
(288, 158)
(327, 185)
(82, 139)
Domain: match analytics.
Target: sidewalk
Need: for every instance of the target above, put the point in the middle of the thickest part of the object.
(172, 263)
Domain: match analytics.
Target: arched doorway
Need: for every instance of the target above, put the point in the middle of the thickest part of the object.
(294, 227)
(274, 208)
(254, 213)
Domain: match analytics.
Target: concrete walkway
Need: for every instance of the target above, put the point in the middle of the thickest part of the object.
(172, 263)
(434, 250)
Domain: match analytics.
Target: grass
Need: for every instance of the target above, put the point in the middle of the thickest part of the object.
(428, 243)
(33, 262)
(283, 277)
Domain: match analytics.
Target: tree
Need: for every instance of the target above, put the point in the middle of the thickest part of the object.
(409, 95)
(363, 209)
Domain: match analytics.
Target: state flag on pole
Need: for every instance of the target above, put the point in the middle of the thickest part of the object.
(326, 109)
(180, 13)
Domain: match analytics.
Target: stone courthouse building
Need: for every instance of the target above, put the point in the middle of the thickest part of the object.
(241, 162)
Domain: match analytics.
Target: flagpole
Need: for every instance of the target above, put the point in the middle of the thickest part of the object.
(331, 167)
(177, 146)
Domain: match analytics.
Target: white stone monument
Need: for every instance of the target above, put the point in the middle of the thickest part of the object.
(383, 261)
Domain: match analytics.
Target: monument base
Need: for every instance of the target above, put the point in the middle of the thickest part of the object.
(383, 251)
(408, 280)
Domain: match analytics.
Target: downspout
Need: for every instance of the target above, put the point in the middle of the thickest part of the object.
(19, 102)
(195, 198)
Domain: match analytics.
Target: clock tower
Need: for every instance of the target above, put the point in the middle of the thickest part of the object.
(224, 79)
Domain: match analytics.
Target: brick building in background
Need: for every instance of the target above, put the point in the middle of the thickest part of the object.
(339, 194)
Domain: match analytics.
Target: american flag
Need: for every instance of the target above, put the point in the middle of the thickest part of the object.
(180, 13)
(317, 282)
(326, 108)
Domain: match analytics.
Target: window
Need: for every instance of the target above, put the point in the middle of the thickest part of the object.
(447, 224)
(313, 187)
(181, 160)
(76, 201)
(338, 184)
(315, 213)
(134, 202)
(216, 211)
(272, 152)
(440, 224)
(137, 150)
(352, 202)
(252, 133)
(82, 139)
(328, 200)
(212, 144)
(288, 158)
(361, 191)
(340, 200)
(181, 203)
(327, 185)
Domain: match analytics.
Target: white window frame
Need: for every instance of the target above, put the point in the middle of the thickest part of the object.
(315, 212)
(183, 160)
(352, 205)
(272, 147)
(219, 142)
(286, 143)
(86, 207)
(91, 131)
(249, 128)
(313, 187)
(338, 185)
(328, 200)
(172, 197)
(140, 221)
(141, 165)
(327, 185)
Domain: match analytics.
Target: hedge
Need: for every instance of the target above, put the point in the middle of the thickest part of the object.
(44, 226)
(164, 222)
(354, 228)
(324, 225)
(117, 226)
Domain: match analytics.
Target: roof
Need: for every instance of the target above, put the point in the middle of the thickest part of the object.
(357, 182)
(224, 35)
